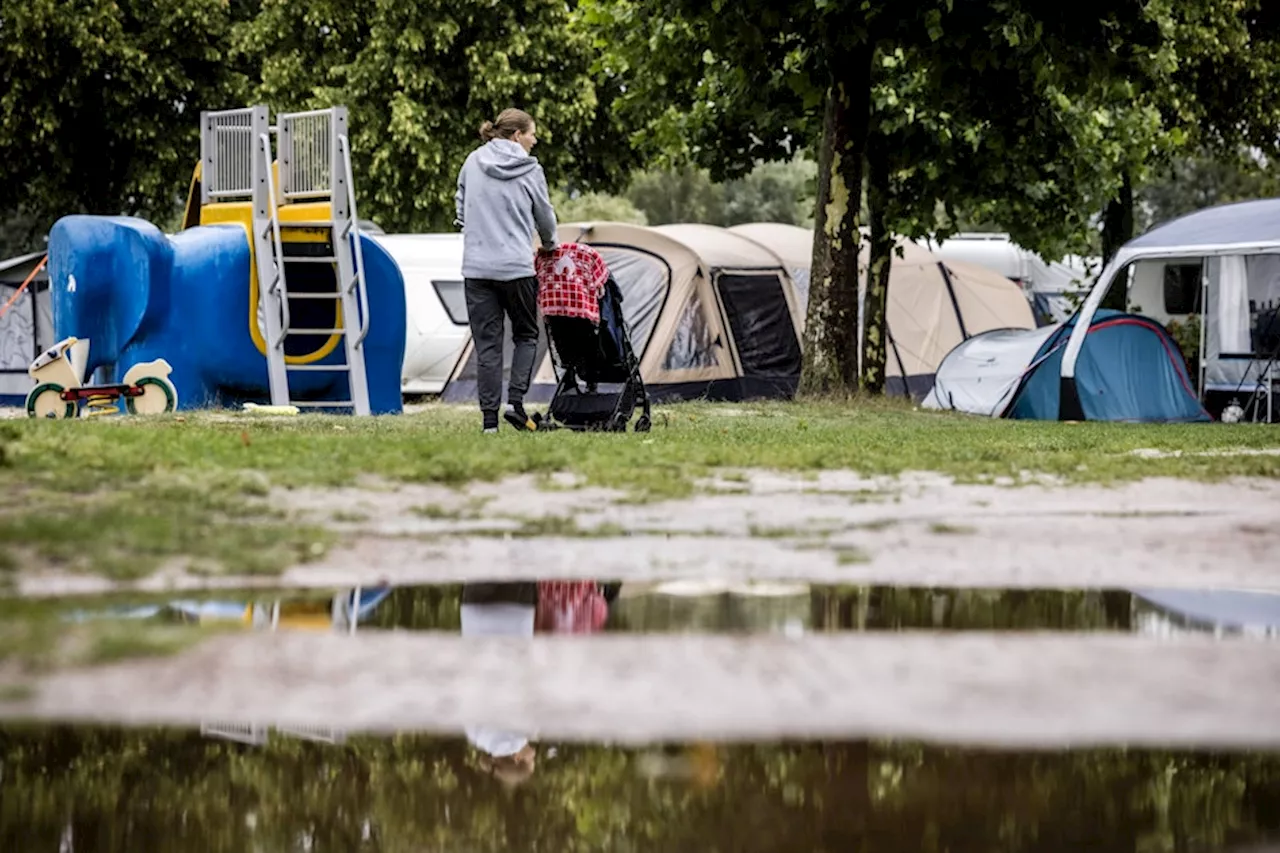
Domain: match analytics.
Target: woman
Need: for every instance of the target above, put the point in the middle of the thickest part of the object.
(502, 197)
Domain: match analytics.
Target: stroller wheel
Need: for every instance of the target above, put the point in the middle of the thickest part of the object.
(643, 424)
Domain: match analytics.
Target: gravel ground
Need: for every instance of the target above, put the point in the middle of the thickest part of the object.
(1009, 690)
(918, 529)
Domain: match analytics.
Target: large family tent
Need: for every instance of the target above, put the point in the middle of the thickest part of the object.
(435, 307)
(791, 243)
(1054, 289)
(933, 305)
(26, 327)
(1221, 265)
(713, 315)
(1130, 370)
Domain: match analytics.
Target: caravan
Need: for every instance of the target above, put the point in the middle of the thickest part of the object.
(435, 307)
(1219, 267)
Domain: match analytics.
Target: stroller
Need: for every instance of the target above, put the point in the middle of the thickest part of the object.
(581, 305)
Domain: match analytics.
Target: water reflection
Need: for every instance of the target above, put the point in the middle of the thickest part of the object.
(161, 790)
(794, 608)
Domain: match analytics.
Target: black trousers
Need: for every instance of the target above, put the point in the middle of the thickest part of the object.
(488, 303)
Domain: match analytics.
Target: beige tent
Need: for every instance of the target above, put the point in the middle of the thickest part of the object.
(933, 305)
(712, 314)
(791, 243)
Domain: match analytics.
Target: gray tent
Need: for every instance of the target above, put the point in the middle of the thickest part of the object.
(26, 329)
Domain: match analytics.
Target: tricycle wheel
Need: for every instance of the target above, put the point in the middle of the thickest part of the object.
(45, 401)
(158, 396)
(644, 424)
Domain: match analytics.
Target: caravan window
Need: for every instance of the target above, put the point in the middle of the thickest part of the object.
(644, 280)
(453, 297)
(1182, 284)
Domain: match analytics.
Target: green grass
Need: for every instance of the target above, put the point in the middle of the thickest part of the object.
(943, 528)
(19, 692)
(850, 556)
(120, 496)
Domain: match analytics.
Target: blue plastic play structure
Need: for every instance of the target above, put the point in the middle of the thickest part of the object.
(1130, 369)
(138, 295)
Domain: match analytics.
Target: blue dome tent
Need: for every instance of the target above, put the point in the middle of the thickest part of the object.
(1129, 370)
(1219, 266)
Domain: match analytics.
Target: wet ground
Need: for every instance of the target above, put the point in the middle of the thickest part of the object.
(115, 790)
(777, 664)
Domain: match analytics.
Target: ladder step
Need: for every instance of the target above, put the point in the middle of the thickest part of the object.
(334, 295)
(318, 404)
(297, 223)
(315, 331)
(308, 259)
(319, 368)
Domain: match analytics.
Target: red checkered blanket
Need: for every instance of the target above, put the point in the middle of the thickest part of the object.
(570, 607)
(571, 281)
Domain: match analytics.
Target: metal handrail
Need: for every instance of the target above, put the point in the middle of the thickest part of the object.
(275, 235)
(226, 151)
(345, 149)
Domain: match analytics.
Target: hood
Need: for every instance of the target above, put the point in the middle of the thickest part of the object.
(504, 160)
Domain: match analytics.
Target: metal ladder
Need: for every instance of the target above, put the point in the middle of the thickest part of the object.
(314, 164)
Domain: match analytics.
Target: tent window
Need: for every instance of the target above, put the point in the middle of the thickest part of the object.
(1182, 288)
(691, 345)
(18, 344)
(453, 297)
(643, 281)
(760, 319)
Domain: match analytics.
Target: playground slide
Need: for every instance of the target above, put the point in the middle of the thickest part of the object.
(139, 295)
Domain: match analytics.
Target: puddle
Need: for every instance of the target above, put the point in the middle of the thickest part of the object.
(712, 607)
(113, 790)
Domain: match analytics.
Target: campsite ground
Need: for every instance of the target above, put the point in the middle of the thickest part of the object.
(838, 493)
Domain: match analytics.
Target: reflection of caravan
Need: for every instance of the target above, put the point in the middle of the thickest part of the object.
(435, 307)
(712, 314)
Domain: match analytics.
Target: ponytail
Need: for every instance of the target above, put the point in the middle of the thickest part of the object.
(508, 124)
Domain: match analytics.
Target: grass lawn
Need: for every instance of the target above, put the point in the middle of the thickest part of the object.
(118, 496)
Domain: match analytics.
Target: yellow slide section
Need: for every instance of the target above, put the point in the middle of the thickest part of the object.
(241, 213)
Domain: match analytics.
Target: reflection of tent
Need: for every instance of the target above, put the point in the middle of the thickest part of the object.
(26, 329)
(933, 305)
(1220, 262)
(436, 307)
(1131, 370)
(1225, 610)
(712, 314)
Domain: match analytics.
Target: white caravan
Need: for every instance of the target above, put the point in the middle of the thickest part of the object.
(435, 307)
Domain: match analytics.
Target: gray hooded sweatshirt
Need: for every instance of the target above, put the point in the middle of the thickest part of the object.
(502, 195)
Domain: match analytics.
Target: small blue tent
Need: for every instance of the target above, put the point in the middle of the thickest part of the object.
(1129, 369)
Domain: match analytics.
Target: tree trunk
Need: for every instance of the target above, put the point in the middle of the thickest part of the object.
(875, 340)
(1117, 229)
(831, 329)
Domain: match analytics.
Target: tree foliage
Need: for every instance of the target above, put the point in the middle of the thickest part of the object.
(99, 112)
(777, 191)
(419, 78)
